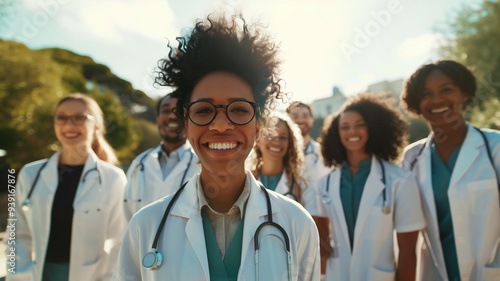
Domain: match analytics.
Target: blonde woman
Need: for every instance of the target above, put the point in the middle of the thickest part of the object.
(71, 222)
(278, 157)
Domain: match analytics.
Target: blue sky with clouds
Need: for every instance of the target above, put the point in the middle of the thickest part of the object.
(324, 43)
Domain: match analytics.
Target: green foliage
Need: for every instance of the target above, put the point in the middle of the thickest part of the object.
(31, 84)
(475, 42)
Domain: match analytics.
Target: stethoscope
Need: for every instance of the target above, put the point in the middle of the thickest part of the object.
(311, 151)
(143, 178)
(290, 191)
(327, 199)
(27, 202)
(487, 145)
(153, 259)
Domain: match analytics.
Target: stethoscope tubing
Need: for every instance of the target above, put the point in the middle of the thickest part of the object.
(27, 202)
(157, 259)
(386, 209)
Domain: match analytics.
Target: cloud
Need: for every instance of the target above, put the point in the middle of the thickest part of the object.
(418, 46)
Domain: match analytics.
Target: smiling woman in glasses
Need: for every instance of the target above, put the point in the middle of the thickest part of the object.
(222, 225)
(71, 221)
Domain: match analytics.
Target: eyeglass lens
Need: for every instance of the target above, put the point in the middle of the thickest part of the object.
(238, 112)
(75, 119)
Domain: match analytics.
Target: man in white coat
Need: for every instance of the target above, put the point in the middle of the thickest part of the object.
(302, 114)
(160, 171)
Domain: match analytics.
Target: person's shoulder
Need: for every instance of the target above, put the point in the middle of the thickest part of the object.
(144, 153)
(491, 134)
(109, 168)
(396, 172)
(293, 208)
(415, 146)
(34, 167)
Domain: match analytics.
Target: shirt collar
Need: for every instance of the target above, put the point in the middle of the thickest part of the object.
(240, 203)
(179, 151)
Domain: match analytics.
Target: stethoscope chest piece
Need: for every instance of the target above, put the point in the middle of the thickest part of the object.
(26, 205)
(386, 210)
(327, 199)
(152, 260)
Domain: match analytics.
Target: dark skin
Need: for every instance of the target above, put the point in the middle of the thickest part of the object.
(326, 250)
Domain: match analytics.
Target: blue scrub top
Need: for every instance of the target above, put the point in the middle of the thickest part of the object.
(351, 190)
(270, 182)
(441, 176)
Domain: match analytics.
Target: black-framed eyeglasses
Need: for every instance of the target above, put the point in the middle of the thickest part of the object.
(77, 120)
(239, 112)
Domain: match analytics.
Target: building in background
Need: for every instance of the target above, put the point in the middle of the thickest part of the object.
(394, 88)
(323, 107)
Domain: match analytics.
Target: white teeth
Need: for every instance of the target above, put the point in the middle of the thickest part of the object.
(173, 125)
(354, 139)
(439, 110)
(70, 135)
(222, 145)
(274, 149)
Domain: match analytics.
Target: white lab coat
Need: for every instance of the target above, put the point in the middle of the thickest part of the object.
(474, 204)
(373, 256)
(98, 221)
(155, 186)
(314, 162)
(182, 242)
(284, 185)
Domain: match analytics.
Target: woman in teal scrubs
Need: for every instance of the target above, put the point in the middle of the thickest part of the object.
(366, 198)
(278, 157)
(225, 72)
(456, 168)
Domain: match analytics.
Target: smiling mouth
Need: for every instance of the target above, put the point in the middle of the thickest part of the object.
(354, 139)
(222, 145)
(439, 110)
(173, 125)
(274, 149)
(70, 135)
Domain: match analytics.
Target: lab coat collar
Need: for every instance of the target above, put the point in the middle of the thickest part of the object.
(334, 194)
(91, 179)
(49, 174)
(467, 155)
(373, 187)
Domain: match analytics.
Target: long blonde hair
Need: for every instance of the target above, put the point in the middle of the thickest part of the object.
(100, 145)
(293, 161)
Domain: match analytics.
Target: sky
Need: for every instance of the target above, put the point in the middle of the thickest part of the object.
(323, 43)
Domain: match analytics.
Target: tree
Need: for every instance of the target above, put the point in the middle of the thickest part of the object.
(474, 40)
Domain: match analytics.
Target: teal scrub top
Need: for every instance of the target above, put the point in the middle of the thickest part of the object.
(441, 176)
(270, 182)
(351, 190)
(222, 269)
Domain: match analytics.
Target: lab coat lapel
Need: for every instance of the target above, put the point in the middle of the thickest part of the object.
(371, 192)
(88, 180)
(49, 175)
(151, 162)
(187, 207)
(180, 168)
(337, 205)
(429, 206)
(254, 216)
(467, 156)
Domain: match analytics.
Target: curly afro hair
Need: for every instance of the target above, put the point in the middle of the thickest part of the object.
(414, 86)
(387, 129)
(222, 44)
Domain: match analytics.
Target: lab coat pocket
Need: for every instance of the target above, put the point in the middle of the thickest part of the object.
(378, 225)
(490, 274)
(382, 275)
(481, 193)
(89, 270)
